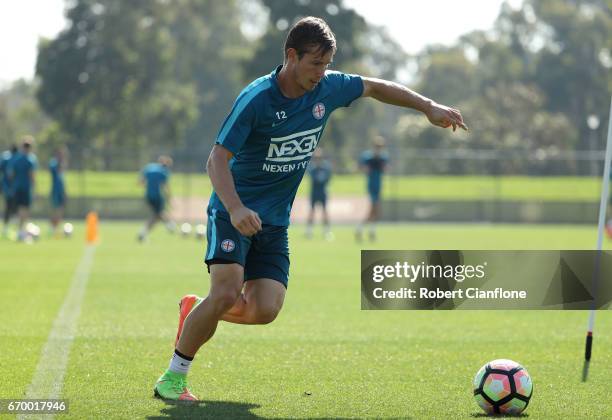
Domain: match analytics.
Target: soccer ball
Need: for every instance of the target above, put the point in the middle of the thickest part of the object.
(200, 231)
(503, 387)
(33, 231)
(186, 229)
(68, 229)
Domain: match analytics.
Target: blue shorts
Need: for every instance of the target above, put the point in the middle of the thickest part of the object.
(263, 255)
(9, 204)
(374, 194)
(58, 199)
(374, 188)
(23, 198)
(318, 198)
(157, 204)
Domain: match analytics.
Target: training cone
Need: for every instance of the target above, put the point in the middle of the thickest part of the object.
(91, 223)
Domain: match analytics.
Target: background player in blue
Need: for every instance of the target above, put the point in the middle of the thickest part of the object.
(255, 167)
(154, 177)
(374, 163)
(6, 160)
(22, 169)
(320, 172)
(57, 166)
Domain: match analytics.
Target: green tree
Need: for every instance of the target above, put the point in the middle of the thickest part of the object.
(528, 85)
(573, 67)
(20, 114)
(210, 50)
(108, 78)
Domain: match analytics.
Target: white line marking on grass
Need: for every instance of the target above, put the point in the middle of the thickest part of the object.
(48, 378)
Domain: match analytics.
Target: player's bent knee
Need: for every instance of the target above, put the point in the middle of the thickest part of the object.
(266, 314)
(226, 285)
(223, 300)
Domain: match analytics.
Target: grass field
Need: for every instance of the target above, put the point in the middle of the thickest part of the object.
(124, 184)
(322, 358)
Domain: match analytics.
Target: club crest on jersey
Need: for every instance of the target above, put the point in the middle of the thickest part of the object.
(228, 245)
(318, 110)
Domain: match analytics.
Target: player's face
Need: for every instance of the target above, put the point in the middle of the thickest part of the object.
(310, 69)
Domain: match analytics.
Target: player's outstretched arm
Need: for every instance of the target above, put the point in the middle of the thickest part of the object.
(396, 94)
(244, 219)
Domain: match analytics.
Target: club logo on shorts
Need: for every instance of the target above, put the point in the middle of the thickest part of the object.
(318, 110)
(228, 245)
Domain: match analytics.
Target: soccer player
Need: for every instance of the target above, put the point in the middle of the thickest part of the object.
(373, 163)
(320, 173)
(6, 160)
(23, 169)
(260, 156)
(155, 177)
(57, 166)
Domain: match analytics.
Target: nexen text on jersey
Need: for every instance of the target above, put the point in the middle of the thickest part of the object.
(297, 146)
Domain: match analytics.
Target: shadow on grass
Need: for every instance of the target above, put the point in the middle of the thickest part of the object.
(208, 410)
(500, 416)
(218, 410)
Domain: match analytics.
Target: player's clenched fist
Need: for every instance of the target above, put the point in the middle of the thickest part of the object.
(246, 221)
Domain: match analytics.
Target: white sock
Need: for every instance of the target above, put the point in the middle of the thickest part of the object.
(179, 363)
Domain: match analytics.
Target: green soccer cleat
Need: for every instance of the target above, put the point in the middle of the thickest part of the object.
(173, 387)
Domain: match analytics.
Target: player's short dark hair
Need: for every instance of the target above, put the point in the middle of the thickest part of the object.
(310, 34)
(379, 141)
(27, 141)
(165, 161)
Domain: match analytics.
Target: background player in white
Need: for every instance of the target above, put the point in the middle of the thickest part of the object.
(259, 159)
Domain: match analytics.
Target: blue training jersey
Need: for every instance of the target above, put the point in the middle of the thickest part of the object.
(21, 169)
(155, 177)
(272, 138)
(320, 174)
(6, 160)
(57, 176)
(375, 165)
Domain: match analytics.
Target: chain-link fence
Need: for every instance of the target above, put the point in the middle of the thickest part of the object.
(420, 185)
